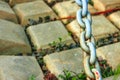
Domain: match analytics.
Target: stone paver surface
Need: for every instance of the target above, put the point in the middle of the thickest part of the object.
(13, 39)
(6, 12)
(74, 28)
(71, 60)
(101, 27)
(68, 8)
(111, 53)
(26, 11)
(117, 77)
(102, 5)
(14, 2)
(43, 34)
(19, 68)
(115, 18)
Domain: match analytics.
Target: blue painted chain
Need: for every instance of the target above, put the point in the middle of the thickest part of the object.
(87, 41)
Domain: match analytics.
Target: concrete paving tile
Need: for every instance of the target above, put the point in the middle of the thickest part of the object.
(44, 34)
(68, 8)
(19, 68)
(111, 53)
(74, 28)
(33, 10)
(115, 18)
(102, 5)
(13, 39)
(71, 60)
(14, 2)
(115, 77)
(6, 12)
(101, 27)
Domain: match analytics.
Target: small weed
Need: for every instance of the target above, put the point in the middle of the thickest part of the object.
(34, 48)
(40, 20)
(70, 33)
(116, 72)
(32, 22)
(69, 75)
(57, 45)
(106, 71)
(32, 77)
(54, 43)
(91, 2)
(110, 39)
(47, 18)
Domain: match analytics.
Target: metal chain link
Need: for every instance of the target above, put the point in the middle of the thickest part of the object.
(87, 41)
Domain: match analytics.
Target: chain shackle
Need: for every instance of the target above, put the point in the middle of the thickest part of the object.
(87, 41)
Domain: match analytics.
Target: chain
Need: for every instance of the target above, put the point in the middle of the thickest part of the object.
(87, 41)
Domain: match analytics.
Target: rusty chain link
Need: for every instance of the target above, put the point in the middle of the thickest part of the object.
(87, 41)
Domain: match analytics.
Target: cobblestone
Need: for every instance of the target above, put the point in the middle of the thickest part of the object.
(13, 39)
(115, 18)
(26, 11)
(6, 12)
(14, 2)
(69, 8)
(101, 27)
(66, 60)
(102, 5)
(74, 28)
(44, 34)
(61, 7)
(117, 77)
(19, 68)
(111, 53)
